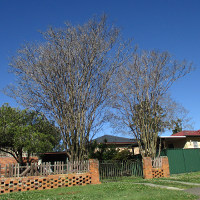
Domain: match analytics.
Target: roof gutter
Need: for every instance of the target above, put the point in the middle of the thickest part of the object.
(172, 137)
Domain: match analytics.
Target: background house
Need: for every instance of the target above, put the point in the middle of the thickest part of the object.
(119, 143)
(54, 157)
(183, 139)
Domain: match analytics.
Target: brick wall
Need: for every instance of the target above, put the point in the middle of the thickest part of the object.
(51, 181)
(10, 160)
(150, 172)
(40, 183)
(4, 161)
(7, 160)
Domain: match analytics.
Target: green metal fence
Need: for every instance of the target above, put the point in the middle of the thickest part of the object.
(112, 169)
(183, 160)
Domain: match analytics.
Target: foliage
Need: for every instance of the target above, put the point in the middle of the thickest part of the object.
(104, 151)
(177, 126)
(124, 155)
(68, 78)
(25, 131)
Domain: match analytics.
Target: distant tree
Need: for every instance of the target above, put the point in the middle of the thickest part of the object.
(124, 155)
(68, 78)
(177, 126)
(102, 151)
(26, 131)
(140, 96)
(181, 121)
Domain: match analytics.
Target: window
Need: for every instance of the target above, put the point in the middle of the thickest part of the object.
(196, 145)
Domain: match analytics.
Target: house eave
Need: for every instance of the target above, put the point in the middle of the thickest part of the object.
(171, 137)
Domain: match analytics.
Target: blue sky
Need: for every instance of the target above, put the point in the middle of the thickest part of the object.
(172, 25)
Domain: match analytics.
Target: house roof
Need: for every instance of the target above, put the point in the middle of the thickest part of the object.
(187, 133)
(115, 139)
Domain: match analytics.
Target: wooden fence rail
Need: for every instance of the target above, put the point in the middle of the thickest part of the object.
(157, 162)
(44, 169)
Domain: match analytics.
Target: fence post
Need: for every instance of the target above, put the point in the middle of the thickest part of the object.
(165, 166)
(62, 167)
(6, 172)
(10, 170)
(18, 171)
(15, 170)
(147, 167)
(94, 170)
(54, 168)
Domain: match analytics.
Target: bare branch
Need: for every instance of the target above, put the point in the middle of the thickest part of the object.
(139, 95)
(67, 77)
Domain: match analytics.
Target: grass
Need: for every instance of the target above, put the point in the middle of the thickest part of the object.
(124, 188)
(193, 177)
(168, 181)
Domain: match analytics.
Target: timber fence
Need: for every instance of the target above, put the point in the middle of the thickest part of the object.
(43, 169)
(157, 162)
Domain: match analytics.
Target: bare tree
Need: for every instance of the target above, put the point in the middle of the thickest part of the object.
(140, 96)
(178, 117)
(67, 76)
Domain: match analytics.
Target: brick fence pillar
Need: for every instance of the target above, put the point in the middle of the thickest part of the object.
(94, 170)
(147, 168)
(165, 166)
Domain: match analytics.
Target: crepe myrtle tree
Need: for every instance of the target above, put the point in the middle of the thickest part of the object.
(67, 77)
(140, 96)
(26, 131)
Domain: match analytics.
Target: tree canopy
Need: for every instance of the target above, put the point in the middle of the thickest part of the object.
(78, 70)
(140, 96)
(68, 76)
(103, 151)
(26, 131)
(177, 126)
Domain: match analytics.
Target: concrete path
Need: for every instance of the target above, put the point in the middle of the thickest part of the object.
(161, 186)
(181, 182)
(195, 191)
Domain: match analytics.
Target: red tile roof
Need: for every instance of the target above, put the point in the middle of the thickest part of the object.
(187, 133)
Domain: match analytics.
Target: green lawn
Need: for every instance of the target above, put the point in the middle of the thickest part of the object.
(193, 177)
(123, 189)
